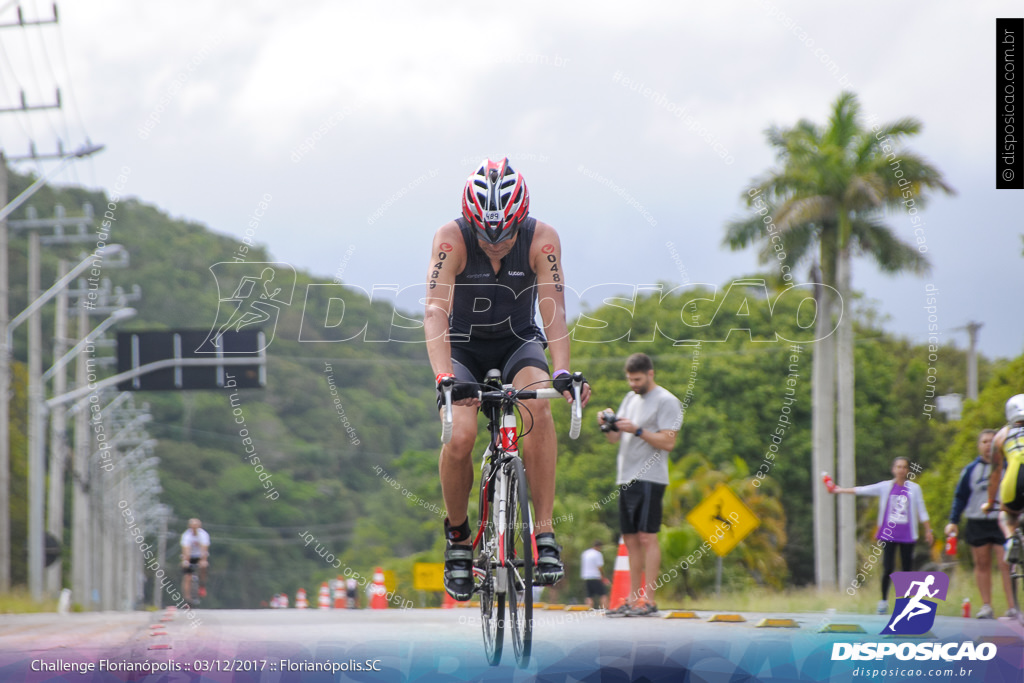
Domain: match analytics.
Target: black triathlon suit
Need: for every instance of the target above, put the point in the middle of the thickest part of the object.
(492, 321)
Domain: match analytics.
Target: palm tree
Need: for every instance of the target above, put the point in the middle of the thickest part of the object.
(831, 191)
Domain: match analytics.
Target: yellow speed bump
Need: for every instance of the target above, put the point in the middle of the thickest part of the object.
(727, 618)
(540, 605)
(577, 608)
(552, 605)
(676, 614)
(841, 628)
(777, 623)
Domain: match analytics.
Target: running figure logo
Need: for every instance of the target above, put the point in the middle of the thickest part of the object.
(250, 294)
(914, 613)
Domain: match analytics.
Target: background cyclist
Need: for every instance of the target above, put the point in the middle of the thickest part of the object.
(195, 555)
(1008, 447)
(491, 271)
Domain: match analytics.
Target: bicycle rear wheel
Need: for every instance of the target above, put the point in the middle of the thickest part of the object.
(492, 603)
(519, 554)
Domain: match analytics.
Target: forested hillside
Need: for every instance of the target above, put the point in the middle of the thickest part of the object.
(349, 435)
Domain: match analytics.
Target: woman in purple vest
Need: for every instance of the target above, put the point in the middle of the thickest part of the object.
(900, 510)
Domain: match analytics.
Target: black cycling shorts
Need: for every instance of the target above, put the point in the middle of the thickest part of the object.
(193, 563)
(640, 506)
(472, 360)
(595, 588)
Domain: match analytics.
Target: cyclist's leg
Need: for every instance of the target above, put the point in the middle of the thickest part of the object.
(202, 579)
(455, 467)
(538, 447)
(1011, 493)
(186, 581)
(1004, 569)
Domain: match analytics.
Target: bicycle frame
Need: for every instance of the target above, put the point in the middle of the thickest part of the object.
(504, 444)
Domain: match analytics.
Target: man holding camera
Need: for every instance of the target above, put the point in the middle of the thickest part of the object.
(645, 428)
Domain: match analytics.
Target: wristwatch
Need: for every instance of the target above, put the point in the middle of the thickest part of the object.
(639, 431)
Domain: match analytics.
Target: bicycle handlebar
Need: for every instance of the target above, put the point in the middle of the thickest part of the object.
(494, 396)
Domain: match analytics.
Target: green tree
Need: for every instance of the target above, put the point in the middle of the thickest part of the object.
(827, 199)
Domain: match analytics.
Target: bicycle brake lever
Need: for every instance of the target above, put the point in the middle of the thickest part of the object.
(577, 405)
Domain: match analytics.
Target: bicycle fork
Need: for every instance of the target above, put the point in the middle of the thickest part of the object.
(510, 445)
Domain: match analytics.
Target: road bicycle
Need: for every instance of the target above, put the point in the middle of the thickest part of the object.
(505, 549)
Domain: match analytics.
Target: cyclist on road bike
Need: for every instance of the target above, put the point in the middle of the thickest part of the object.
(491, 271)
(195, 554)
(1008, 446)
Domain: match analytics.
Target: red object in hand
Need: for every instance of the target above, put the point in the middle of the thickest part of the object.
(966, 611)
(951, 545)
(829, 484)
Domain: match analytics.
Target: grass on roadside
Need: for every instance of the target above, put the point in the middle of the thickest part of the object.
(18, 601)
(863, 601)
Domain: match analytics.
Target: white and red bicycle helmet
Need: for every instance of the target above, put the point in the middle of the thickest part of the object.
(1015, 409)
(495, 201)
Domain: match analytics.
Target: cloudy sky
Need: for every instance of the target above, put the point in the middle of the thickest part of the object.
(637, 127)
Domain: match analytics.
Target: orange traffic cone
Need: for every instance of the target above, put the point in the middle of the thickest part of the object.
(621, 584)
(300, 599)
(449, 602)
(325, 596)
(378, 601)
(339, 594)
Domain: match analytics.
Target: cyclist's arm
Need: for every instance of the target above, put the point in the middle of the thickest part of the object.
(447, 259)
(546, 261)
(997, 466)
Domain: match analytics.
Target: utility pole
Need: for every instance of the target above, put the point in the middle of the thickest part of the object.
(23, 107)
(972, 360)
(37, 390)
(86, 475)
(58, 449)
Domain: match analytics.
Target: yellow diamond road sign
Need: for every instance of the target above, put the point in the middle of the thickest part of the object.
(723, 520)
(428, 576)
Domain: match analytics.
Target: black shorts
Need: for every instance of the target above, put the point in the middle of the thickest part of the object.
(193, 563)
(640, 507)
(979, 532)
(471, 360)
(595, 588)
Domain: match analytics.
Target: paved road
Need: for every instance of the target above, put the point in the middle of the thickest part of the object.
(427, 645)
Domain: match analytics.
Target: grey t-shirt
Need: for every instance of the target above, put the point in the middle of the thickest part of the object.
(655, 411)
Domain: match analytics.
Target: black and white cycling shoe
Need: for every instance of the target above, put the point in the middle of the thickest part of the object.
(549, 561)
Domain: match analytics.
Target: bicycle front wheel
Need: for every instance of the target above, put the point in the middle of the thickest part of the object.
(519, 558)
(492, 602)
